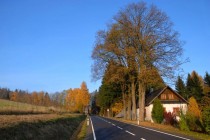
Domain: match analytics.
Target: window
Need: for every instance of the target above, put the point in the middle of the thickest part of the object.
(163, 96)
(171, 96)
(176, 110)
(164, 109)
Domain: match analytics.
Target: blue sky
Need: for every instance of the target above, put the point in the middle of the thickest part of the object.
(47, 44)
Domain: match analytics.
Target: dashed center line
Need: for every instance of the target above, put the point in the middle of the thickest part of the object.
(130, 133)
(120, 127)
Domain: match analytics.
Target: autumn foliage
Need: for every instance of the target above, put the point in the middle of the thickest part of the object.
(77, 99)
(194, 116)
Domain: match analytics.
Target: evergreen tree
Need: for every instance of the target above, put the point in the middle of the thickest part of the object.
(194, 86)
(180, 87)
(157, 111)
(207, 79)
(206, 89)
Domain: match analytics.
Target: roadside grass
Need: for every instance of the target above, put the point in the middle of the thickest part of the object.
(82, 133)
(169, 129)
(60, 127)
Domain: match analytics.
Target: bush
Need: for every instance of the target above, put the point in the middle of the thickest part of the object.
(157, 111)
(170, 118)
(183, 123)
(206, 119)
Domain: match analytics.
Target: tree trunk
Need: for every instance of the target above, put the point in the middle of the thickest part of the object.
(124, 105)
(133, 100)
(129, 106)
(141, 101)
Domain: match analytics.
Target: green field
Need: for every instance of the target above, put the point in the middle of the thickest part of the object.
(17, 107)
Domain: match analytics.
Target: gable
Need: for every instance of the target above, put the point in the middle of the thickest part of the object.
(165, 95)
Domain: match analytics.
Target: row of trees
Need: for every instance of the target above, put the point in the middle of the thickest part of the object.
(195, 86)
(36, 98)
(138, 49)
(73, 100)
(197, 90)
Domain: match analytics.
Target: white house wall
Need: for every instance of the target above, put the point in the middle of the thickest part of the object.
(169, 108)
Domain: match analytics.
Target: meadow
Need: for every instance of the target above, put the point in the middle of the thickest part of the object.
(20, 121)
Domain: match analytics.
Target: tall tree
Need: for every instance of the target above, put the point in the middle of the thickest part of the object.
(207, 84)
(207, 79)
(180, 87)
(194, 86)
(141, 38)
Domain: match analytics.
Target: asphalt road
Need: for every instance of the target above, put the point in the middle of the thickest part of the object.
(108, 129)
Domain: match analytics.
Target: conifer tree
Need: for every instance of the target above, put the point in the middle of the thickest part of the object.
(157, 111)
(207, 79)
(180, 87)
(194, 86)
(194, 115)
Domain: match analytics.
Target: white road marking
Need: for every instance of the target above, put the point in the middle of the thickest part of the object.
(130, 133)
(120, 127)
(94, 136)
(161, 132)
(143, 139)
(114, 124)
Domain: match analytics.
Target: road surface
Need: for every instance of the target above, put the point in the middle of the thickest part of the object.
(108, 129)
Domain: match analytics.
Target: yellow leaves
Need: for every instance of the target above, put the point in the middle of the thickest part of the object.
(193, 108)
(117, 107)
(14, 96)
(77, 99)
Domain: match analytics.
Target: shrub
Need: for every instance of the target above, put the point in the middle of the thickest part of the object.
(206, 119)
(170, 118)
(157, 111)
(183, 122)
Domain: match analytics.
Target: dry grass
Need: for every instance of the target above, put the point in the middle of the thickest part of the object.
(11, 120)
(82, 133)
(39, 127)
(10, 106)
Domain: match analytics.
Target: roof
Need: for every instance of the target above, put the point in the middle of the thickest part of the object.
(153, 95)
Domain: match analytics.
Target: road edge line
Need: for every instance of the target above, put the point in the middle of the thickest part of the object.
(94, 136)
(161, 132)
(153, 130)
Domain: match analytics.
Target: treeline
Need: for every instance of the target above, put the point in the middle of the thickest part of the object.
(195, 85)
(73, 100)
(36, 98)
(197, 91)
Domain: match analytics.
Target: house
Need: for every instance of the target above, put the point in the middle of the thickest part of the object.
(172, 102)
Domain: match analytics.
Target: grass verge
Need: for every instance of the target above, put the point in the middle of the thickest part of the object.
(56, 129)
(82, 133)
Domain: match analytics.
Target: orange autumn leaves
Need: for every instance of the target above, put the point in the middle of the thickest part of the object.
(77, 99)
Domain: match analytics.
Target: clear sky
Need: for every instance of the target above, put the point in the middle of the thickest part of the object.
(47, 44)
